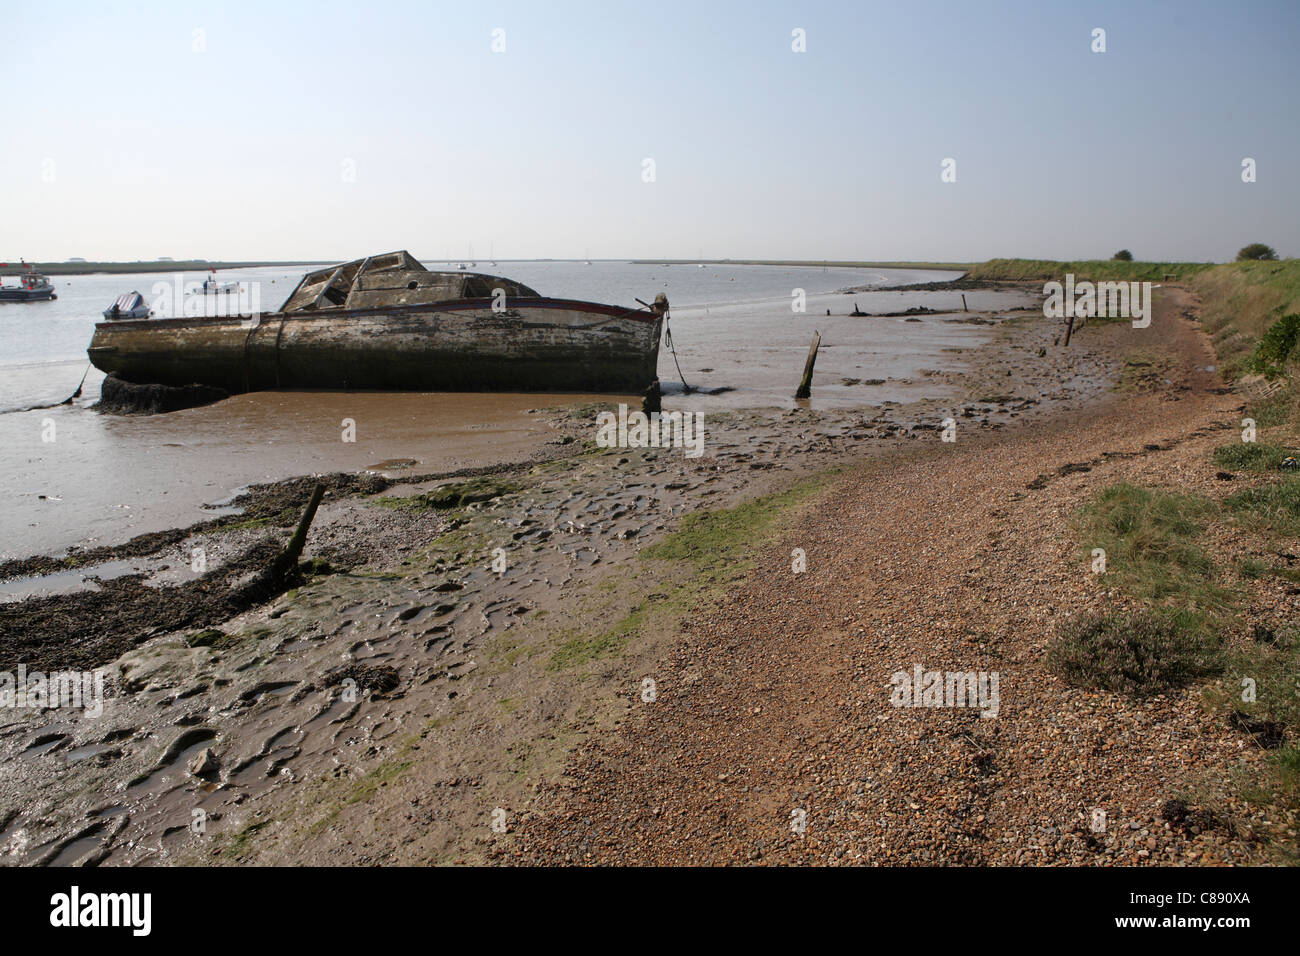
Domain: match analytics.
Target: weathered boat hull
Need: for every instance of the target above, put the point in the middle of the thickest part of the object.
(535, 344)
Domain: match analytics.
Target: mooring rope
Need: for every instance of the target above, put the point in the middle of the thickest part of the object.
(67, 401)
(668, 340)
(662, 300)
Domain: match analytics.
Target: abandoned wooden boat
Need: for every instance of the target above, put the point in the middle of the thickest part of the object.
(386, 322)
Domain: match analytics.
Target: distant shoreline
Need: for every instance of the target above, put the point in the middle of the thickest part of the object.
(835, 263)
(121, 268)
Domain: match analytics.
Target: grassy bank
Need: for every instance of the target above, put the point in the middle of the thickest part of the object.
(1204, 573)
(819, 263)
(1091, 269)
(1241, 302)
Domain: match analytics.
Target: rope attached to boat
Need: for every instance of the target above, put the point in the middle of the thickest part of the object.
(668, 340)
(66, 401)
(662, 301)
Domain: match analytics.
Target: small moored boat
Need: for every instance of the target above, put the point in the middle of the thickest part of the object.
(31, 287)
(388, 323)
(211, 286)
(128, 306)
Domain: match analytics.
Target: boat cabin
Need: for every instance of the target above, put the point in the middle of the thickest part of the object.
(392, 279)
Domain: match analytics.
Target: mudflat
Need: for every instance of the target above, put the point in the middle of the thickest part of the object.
(605, 655)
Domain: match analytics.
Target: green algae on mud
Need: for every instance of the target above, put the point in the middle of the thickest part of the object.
(709, 549)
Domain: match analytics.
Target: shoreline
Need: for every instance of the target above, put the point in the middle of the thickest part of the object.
(446, 642)
(146, 267)
(476, 691)
(777, 695)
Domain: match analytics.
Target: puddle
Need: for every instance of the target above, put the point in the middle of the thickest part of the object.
(393, 464)
(65, 582)
(89, 750)
(226, 506)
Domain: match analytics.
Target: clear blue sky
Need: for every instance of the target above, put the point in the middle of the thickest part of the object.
(122, 142)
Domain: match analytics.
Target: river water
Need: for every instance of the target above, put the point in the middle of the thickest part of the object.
(71, 476)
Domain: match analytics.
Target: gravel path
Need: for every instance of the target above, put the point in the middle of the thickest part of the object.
(772, 738)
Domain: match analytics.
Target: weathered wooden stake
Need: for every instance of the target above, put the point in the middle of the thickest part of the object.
(963, 303)
(282, 572)
(289, 557)
(805, 387)
(1069, 327)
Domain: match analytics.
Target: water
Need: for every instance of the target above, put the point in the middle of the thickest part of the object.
(70, 476)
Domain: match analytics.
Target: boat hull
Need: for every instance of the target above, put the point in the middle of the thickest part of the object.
(26, 295)
(464, 345)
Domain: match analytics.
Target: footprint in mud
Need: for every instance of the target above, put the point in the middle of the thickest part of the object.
(48, 738)
(338, 710)
(171, 771)
(274, 688)
(257, 773)
(77, 848)
(440, 643)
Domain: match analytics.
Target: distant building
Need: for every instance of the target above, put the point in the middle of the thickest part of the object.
(76, 259)
(166, 259)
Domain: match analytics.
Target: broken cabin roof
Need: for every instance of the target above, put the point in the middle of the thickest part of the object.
(393, 278)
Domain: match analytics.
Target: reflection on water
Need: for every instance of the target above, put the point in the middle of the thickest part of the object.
(105, 478)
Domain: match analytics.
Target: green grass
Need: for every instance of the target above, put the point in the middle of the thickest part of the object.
(715, 547)
(584, 648)
(1272, 508)
(711, 539)
(831, 263)
(1240, 302)
(1271, 660)
(241, 843)
(1250, 456)
(1252, 569)
(1090, 269)
(1272, 410)
(1150, 540)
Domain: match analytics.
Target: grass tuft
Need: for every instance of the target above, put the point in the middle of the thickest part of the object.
(1138, 654)
(1250, 456)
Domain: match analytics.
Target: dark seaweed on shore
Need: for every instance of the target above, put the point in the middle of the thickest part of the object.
(276, 504)
(89, 629)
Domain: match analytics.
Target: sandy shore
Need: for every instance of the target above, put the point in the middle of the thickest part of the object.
(418, 705)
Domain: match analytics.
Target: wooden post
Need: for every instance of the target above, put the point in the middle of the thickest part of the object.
(1069, 327)
(963, 303)
(282, 572)
(805, 387)
(294, 549)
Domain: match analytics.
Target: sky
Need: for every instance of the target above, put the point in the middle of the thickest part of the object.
(611, 129)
